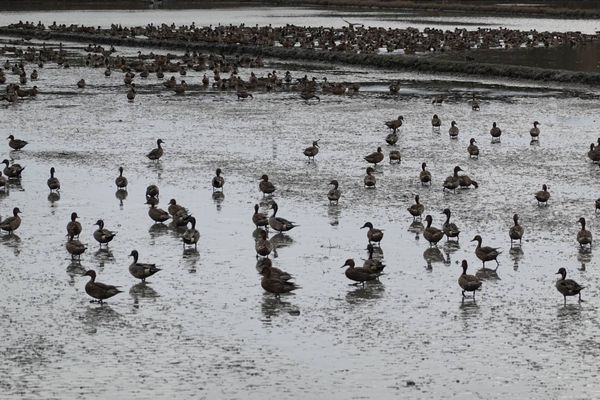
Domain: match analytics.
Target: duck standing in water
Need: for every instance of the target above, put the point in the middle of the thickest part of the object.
(516, 231)
(120, 180)
(259, 219)
(542, 196)
(468, 283)
(263, 246)
(13, 223)
(276, 284)
(157, 153)
(436, 122)
(431, 234)
(417, 209)
(74, 227)
(97, 290)
(450, 229)
(373, 235)
(369, 179)
(359, 275)
(334, 194)
(12, 171)
(486, 253)
(75, 248)
(584, 237)
(280, 224)
(158, 215)
(395, 123)
(568, 287)
(191, 235)
(371, 265)
(453, 181)
(453, 131)
(141, 270)
(375, 158)
(535, 131)
(395, 157)
(496, 133)
(265, 186)
(312, 151)
(472, 149)
(103, 236)
(218, 181)
(53, 183)
(425, 176)
(16, 144)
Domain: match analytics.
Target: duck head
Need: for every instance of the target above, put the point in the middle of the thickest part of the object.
(370, 170)
(173, 202)
(11, 137)
(159, 142)
(349, 263)
(367, 225)
(74, 216)
(91, 273)
(563, 272)
(417, 198)
(457, 169)
(16, 211)
(264, 178)
(494, 124)
(275, 207)
(544, 187)
(423, 166)
(192, 220)
(120, 171)
(100, 224)
(446, 212)
(52, 172)
(429, 220)
(535, 124)
(453, 123)
(516, 219)
(401, 118)
(379, 149)
(316, 143)
(582, 222)
(5, 161)
(218, 171)
(334, 183)
(477, 239)
(134, 254)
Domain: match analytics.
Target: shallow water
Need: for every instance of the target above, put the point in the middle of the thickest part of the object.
(204, 328)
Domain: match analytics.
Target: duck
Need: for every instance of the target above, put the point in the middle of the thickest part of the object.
(359, 275)
(131, 93)
(75, 248)
(53, 182)
(243, 94)
(373, 266)
(274, 284)
(431, 234)
(535, 131)
(334, 194)
(395, 157)
(280, 224)
(370, 179)
(495, 132)
(465, 182)
(74, 227)
(11, 224)
(417, 209)
(486, 253)
(265, 186)
(425, 176)
(156, 153)
(259, 219)
(395, 123)
(103, 236)
(312, 151)
(438, 100)
(596, 203)
(468, 283)
(218, 181)
(121, 181)
(472, 149)
(158, 215)
(81, 84)
(594, 153)
(392, 138)
(516, 231)
(12, 171)
(264, 263)
(97, 290)
(450, 229)
(191, 235)
(152, 191)
(140, 270)
(453, 181)
(453, 131)
(16, 144)
(394, 87)
(373, 235)
(436, 122)
(542, 196)
(584, 237)
(375, 158)
(263, 246)
(568, 287)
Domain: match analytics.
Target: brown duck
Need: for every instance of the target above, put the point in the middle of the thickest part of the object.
(431, 234)
(359, 275)
(12, 171)
(468, 283)
(11, 224)
(97, 290)
(395, 123)
(312, 151)
(584, 237)
(75, 248)
(158, 215)
(450, 229)
(371, 265)
(334, 194)
(485, 253)
(472, 149)
(568, 287)
(191, 235)
(103, 236)
(16, 144)
(453, 181)
(375, 158)
(140, 270)
(265, 186)
(74, 227)
(369, 179)
(425, 176)
(542, 196)
(53, 182)
(156, 153)
(495, 132)
(373, 235)
(121, 181)
(218, 181)
(516, 231)
(276, 284)
(258, 218)
(417, 209)
(280, 224)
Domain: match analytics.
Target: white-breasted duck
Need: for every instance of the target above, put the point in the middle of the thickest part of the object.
(450, 229)
(218, 181)
(535, 131)
(496, 133)
(191, 235)
(395, 157)
(472, 149)
(102, 235)
(568, 287)
(453, 131)
(140, 270)
(157, 153)
(334, 194)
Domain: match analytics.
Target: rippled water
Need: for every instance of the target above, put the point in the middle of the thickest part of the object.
(204, 328)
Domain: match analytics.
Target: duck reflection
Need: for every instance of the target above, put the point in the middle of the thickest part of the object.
(417, 228)
(74, 270)
(142, 291)
(121, 195)
(516, 254)
(53, 197)
(281, 240)
(272, 307)
(100, 316)
(158, 230)
(13, 241)
(190, 259)
(334, 212)
(433, 255)
(372, 290)
(218, 198)
(487, 274)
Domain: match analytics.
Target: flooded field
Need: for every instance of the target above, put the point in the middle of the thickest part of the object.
(204, 328)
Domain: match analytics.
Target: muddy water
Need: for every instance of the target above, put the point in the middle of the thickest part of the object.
(204, 328)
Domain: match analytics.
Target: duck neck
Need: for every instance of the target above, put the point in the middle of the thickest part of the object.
(135, 258)
(582, 224)
(448, 218)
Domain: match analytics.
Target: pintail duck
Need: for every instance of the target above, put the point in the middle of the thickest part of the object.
(495, 132)
(425, 176)
(280, 224)
(11, 224)
(258, 218)
(535, 131)
(468, 283)
(359, 275)
(156, 153)
(453, 181)
(53, 183)
(395, 157)
(417, 209)
(453, 131)
(472, 149)
(485, 253)
(584, 237)
(371, 265)
(152, 191)
(373, 235)
(312, 151)
(276, 284)
(436, 122)
(450, 229)
(370, 179)
(568, 287)
(16, 144)
(543, 195)
(375, 158)
(334, 194)
(465, 182)
(431, 234)
(218, 181)
(395, 123)
(263, 246)
(516, 231)
(81, 84)
(97, 290)
(158, 215)
(265, 186)
(191, 235)
(140, 270)
(74, 227)
(392, 138)
(103, 236)
(12, 171)
(75, 248)
(121, 181)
